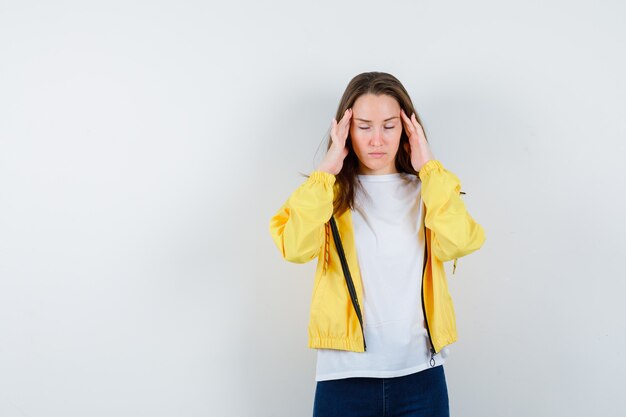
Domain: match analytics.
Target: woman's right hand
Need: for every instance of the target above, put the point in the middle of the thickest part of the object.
(333, 161)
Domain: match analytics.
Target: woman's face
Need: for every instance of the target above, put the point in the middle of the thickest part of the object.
(375, 130)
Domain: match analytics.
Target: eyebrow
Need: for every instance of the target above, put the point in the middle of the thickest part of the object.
(369, 121)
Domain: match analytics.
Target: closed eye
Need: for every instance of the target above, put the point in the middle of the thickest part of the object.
(367, 127)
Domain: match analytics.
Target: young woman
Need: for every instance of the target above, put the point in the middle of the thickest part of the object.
(381, 215)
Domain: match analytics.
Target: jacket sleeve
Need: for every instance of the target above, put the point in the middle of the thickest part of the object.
(298, 226)
(454, 232)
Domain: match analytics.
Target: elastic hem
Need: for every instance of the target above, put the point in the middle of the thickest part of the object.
(322, 176)
(354, 345)
(430, 166)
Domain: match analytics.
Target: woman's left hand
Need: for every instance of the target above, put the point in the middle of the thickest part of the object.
(419, 149)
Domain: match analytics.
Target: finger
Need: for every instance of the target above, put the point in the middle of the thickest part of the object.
(408, 125)
(346, 116)
(419, 128)
(406, 118)
(343, 128)
(414, 119)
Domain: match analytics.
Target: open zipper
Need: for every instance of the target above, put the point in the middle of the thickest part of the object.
(432, 346)
(346, 273)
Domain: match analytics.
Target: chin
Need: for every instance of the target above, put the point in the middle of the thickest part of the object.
(380, 167)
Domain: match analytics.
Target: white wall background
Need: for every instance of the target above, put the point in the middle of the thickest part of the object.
(144, 146)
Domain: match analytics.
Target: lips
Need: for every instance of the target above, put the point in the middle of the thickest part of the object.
(376, 154)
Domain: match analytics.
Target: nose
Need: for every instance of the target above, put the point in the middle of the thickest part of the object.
(377, 138)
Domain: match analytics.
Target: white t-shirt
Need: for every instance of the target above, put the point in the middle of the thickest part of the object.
(389, 238)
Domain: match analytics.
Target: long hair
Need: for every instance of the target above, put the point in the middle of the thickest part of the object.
(377, 83)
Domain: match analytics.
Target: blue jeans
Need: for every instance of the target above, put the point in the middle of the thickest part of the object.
(423, 393)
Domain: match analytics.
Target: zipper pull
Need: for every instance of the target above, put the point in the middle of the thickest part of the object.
(454, 269)
(432, 358)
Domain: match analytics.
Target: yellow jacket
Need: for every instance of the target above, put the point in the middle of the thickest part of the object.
(301, 231)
